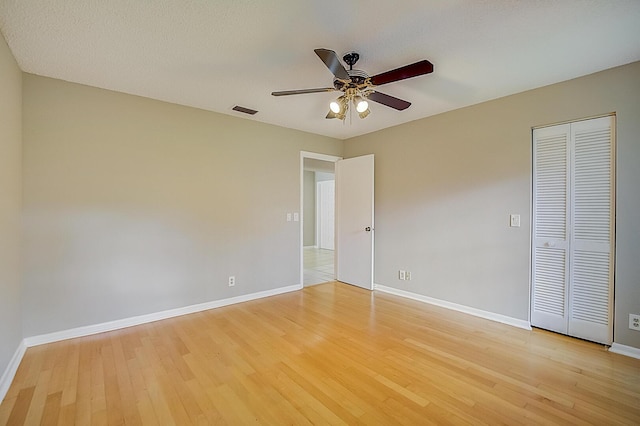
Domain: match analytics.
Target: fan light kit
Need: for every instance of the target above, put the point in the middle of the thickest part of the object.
(340, 106)
(357, 87)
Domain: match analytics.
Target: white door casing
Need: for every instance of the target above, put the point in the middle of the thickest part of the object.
(355, 221)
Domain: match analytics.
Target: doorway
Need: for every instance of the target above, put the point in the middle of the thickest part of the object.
(318, 213)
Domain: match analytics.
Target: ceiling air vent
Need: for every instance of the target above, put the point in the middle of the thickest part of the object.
(244, 110)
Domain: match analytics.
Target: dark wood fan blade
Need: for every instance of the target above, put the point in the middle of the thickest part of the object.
(332, 62)
(389, 101)
(408, 71)
(302, 91)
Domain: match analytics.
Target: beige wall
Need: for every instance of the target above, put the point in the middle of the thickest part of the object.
(10, 204)
(134, 206)
(445, 187)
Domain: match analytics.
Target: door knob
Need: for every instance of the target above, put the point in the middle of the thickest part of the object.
(368, 229)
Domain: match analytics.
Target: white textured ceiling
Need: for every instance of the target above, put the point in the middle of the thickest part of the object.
(216, 54)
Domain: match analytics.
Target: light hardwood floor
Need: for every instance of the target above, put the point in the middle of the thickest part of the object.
(328, 354)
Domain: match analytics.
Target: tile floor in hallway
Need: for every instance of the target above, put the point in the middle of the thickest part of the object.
(318, 266)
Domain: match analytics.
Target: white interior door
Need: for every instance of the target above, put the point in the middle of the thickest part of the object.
(354, 221)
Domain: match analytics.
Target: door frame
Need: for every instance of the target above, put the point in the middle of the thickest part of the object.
(315, 156)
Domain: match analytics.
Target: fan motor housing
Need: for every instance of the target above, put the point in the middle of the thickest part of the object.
(358, 77)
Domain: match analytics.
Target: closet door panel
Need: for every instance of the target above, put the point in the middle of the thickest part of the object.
(550, 228)
(591, 245)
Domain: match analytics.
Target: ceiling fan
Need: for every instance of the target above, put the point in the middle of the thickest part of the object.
(358, 87)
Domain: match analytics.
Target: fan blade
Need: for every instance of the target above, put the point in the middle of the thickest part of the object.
(389, 101)
(332, 62)
(302, 91)
(408, 71)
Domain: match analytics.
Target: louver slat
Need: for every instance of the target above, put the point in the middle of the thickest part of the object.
(551, 187)
(592, 188)
(590, 287)
(549, 281)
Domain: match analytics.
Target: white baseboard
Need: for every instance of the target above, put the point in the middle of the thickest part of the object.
(12, 368)
(617, 348)
(157, 316)
(456, 307)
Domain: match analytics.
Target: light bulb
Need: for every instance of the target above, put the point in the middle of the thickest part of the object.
(362, 106)
(335, 107)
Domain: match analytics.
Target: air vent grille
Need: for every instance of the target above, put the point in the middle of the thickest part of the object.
(244, 110)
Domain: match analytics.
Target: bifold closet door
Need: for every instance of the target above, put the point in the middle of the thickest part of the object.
(573, 229)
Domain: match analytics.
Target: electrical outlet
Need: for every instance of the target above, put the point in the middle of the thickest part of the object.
(232, 281)
(402, 275)
(407, 276)
(634, 322)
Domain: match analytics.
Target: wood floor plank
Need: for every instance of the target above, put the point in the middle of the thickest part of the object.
(21, 406)
(328, 354)
(83, 385)
(36, 408)
(51, 409)
(123, 381)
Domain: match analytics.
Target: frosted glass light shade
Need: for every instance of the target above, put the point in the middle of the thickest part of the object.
(362, 106)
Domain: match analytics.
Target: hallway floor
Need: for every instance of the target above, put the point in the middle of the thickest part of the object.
(318, 265)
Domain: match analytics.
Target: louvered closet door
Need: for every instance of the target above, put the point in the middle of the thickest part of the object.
(550, 272)
(572, 265)
(591, 267)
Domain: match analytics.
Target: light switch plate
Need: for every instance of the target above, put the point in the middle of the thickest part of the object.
(288, 217)
(514, 220)
(296, 217)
